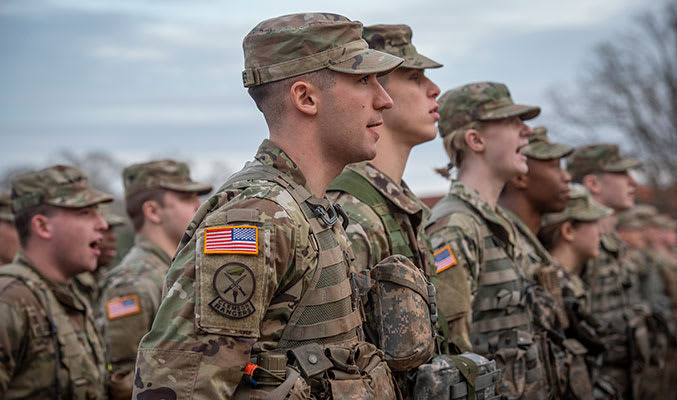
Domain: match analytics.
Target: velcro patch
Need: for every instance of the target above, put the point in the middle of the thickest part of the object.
(444, 259)
(231, 240)
(122, 307)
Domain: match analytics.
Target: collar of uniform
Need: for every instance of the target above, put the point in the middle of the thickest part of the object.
(527, 235)
(150, 246)
(611, 242)
(497, 216)
(401, 196)
(272, 155)
(64, 292)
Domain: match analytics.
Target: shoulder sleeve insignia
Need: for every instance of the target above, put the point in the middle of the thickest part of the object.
(444, 259)
(231, 240)
(234, 284)
(122, 307)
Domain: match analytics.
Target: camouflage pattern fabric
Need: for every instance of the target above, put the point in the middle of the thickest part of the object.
(60, 186)
(581, 206)
(481, 101)
(541, 148)
(138, 279)
(29, 305)
(6, 207)
(396, 40)
(296, 44)
(161, 174)
(485, 251)
(598, 158)
(202, 339)
(368, 236)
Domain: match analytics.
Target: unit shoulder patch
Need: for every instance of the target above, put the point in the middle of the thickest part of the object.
(243, 239)
(234, 284)
(122, 307)
(444, 259)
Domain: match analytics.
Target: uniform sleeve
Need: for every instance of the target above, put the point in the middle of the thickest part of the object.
(365, 231)
(12, 335)
(127, 310)
(215, 311)
(457, 258)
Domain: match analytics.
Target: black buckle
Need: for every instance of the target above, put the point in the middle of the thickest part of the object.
(343, 215)
(328, 216)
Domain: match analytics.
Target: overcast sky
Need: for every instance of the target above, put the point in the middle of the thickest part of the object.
(148, 79)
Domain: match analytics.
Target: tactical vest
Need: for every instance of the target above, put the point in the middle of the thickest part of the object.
(323, 333)
(353, 183)
(73, 361)
(502, 326)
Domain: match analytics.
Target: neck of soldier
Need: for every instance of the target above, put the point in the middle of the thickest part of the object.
(391, 155)
(317, 167)
(45, 260)
(477, 174)
(157, 234)
(516, 201)
(568, 258)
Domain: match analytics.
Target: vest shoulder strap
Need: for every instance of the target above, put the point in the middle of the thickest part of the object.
(354, 184)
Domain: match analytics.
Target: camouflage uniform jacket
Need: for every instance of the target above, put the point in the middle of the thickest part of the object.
(199, 345)
(87, 284)
(485, 272)
(366, 231)
(30, 307)
(130, 297)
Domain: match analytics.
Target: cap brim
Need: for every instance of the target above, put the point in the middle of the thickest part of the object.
(419, 61)
(194, 187)
(547, 151)
(368, 62)
(522, 111)
(7, 217)
(114, 220)
(86, 198)
(623, 164)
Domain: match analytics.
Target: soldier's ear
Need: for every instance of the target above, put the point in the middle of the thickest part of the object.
(41, 226)
(567, 231)
(151, 212)
(304, 97)
(520, 181)
(591, 181)
(474, 140)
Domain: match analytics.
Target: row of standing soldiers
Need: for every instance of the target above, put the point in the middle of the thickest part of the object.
(527, 280)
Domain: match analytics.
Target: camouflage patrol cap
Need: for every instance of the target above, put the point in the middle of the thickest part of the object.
(296, 44)
(109, 216)
(6, 207)
(638, 217)
(580, 207)
(664, 221)
(481, 101)
(60, 186)
(161, 174)
(541, 148)
(596, 158)
(396, 40)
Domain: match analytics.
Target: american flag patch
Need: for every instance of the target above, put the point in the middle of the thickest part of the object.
(123, 307)
(444, 259)
(231, 240)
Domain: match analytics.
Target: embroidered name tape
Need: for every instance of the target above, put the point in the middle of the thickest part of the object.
(123, 307)
(232, 240)
(444, 258)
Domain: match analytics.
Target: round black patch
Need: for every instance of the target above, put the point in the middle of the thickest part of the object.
(234, 284)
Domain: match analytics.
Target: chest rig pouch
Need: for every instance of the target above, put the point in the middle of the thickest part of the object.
(322, 338)
(72, 359)
(398, 298)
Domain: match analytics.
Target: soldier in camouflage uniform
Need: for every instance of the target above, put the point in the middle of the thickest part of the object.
(572, 237)
(9, 240)
(385, 217)
(160, 200)
(480, 281)
(602, 169)
(49, 347)
(259, 297)
(525, 199)
(88, 282)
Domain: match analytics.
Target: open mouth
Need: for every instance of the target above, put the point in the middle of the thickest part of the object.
(96, 246)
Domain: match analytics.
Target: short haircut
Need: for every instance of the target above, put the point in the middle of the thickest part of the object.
(134, 204)
(22, 220)
(269, 97)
